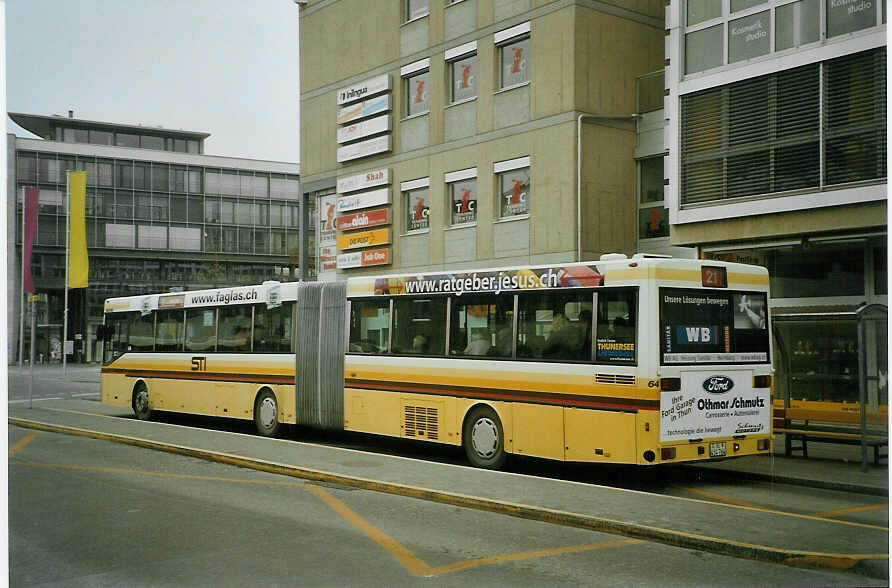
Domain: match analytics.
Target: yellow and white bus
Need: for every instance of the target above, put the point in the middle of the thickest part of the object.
(641, 360)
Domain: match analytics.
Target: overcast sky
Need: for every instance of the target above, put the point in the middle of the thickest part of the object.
(225, 67)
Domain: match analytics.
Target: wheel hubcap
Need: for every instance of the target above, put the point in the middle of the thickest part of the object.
(485, 437)
(142, 401)
(267, 412)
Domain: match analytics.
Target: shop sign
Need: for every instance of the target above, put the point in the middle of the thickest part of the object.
(364, 200)
(368, 258)
(364, 89)
(364, 148)
(365, 128)
(363, 239)
(364, 109)
(364, 220)
(327, 259)
(369, 179)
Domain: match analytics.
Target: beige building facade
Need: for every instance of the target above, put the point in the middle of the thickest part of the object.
(439, 135)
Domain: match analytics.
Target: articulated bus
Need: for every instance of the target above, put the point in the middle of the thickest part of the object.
(640, 360)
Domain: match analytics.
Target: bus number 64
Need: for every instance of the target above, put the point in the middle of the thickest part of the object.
(199, 364)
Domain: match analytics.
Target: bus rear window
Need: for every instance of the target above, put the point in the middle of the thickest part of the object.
(708, 326)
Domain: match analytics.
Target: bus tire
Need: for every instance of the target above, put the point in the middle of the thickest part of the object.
(483, 439)
(140, 402)
(266, 413)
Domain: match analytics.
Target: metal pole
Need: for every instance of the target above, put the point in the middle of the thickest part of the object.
(67, 236)
(22, 297)
(862, 390)
(31, 361)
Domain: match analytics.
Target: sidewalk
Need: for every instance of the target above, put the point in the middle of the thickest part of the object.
(831, 466)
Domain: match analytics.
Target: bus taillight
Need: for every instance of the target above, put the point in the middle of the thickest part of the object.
(670, 384)
(763, 444)
(761, 381)
(667, 453)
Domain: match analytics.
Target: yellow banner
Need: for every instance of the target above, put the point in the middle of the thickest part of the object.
(78, 264)
(363, 239)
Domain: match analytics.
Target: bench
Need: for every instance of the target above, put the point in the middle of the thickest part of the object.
(830, 435)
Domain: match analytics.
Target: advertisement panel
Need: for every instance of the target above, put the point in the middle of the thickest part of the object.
(363, 220)
(363, 239)
(364, 109)
(327, 208)
(364, 148)
(369, 179)
(364, 89)
(364, 200)
(367, 258)
(366, 128)
(574, 276)
(714, 404)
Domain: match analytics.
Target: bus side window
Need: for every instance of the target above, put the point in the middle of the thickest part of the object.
(616, 326)
(369, 326)
(419, 326)
(272, 328)
(234, 330)
(201, 329)
(169, 330)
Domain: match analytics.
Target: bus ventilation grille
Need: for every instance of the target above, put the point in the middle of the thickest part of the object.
(422, 422)
(615, 379)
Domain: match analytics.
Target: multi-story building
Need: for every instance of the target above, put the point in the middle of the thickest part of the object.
(776, 141)
(160, 215)
(473, 133)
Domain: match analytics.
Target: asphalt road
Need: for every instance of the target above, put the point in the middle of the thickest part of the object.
(85, 512)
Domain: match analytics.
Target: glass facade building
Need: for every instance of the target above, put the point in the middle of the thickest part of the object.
(160, 216)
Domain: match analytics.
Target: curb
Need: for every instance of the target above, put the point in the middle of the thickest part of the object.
(806, 482)
(797, 558)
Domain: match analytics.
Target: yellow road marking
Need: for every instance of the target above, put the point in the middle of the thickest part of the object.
(21, 443)
(484, 561)
(854, 509)
(419, 568)
(719, 497)
(156, 474)
(726, 501)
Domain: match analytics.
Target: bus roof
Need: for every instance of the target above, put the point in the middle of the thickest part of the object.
(266, 292)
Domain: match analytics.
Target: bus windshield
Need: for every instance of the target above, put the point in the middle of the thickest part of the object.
(712, 326)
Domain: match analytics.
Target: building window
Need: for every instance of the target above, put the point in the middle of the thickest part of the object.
(462, 193)
(126, 140)
(416, 203)
(653, 217)
(462, 66)
(513, 178)
(714, 37)
(766, 135)
(514, 57)
(702, 10)
(749, 36)
(796, 24)
(417, 86)
(703, 49)
(416, 9)
(848, 17)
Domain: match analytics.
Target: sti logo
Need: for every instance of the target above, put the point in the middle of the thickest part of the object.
(696, 335)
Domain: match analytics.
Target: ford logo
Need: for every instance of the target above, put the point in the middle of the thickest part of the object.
(718, 384)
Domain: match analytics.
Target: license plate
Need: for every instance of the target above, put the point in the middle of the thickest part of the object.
(717, 450)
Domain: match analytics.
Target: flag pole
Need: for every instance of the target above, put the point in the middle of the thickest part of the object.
(67, 238)
(22, 301)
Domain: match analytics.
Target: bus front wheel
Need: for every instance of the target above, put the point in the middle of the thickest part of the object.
(266, 414)
(483, 439)
(141, 402)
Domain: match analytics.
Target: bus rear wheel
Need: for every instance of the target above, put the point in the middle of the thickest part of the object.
(266, 414)
(141, 402)
(483, 439)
